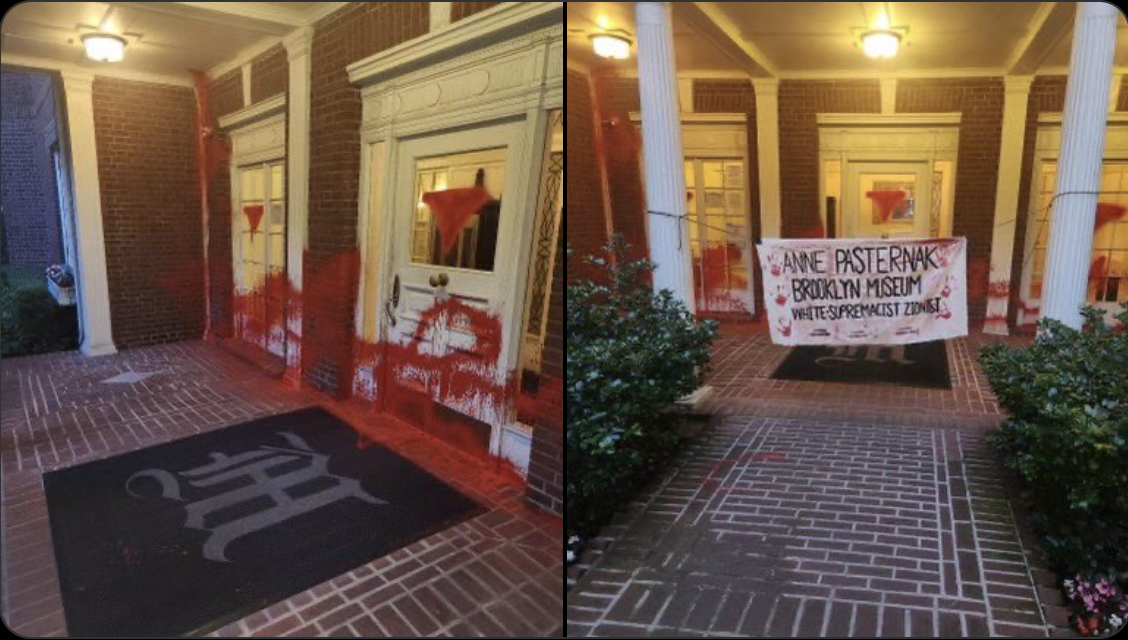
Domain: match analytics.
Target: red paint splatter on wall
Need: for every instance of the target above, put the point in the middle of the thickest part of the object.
(1108, 213)
(998, 289)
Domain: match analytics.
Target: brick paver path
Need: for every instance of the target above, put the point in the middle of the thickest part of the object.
(496, 575)
(807, 525)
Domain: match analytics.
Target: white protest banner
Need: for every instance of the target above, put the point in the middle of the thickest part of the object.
(864, 291)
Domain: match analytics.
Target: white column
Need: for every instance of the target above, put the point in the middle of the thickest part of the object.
(1006, 201)
(1079, 164)
(767, 152)
(297, 166)
(667, 229)
(93, 287)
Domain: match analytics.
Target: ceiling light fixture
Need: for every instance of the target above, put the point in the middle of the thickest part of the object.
(881, 44)
(611, 46)
(104, 47)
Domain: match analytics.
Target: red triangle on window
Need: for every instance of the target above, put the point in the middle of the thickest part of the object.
(453, 210)
(886, 201)
(254, 215)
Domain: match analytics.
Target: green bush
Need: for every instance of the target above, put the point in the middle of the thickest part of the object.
(1067, 437)
(30, 321)
(631, 354)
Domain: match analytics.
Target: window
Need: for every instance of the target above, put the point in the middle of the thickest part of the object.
(720, 240)
(1108, 280)
(458, 209)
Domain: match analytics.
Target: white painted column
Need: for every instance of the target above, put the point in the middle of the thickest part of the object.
(1079, 163)
(297, 46)
(663, 154)
(767, 152)
(93, 287)
(1006, 201)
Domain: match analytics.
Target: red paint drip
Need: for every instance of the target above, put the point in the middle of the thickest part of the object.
(999, 289)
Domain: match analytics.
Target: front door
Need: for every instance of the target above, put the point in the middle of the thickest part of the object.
(887, 200)
(260, 256)
(454, 229)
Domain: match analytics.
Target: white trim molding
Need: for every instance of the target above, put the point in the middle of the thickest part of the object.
(767, 140)
(888, 120)
(1017, 94)
(466, 35)
(299, 46)
(703, 118)
(245, 56)
(273, 105)
(93, 284)
(440, 15)
(100, 71)
(1055, 118)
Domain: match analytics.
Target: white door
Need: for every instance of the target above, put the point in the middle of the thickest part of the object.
(259, 254)
(455, 223)
(887, 200)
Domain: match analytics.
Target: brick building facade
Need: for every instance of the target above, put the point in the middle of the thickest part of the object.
(171, 193)
(31, 225)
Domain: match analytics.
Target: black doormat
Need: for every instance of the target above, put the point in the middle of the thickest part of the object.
(188, 536)
(924, 364)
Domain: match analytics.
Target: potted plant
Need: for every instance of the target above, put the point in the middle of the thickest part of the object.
(60, 282)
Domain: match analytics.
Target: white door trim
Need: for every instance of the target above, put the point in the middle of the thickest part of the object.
(521, 80)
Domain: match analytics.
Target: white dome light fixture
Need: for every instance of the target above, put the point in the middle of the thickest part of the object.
(881, 44)
(104, 47)
(611, 46)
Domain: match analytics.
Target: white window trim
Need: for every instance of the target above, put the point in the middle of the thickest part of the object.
(1047, 147)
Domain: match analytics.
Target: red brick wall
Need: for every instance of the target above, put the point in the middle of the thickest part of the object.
(352, 33)
(227, 93)
(460, 10)
(980, 101)
(31, 234)
(799, 102)
(616, 99)
(270, 74)
(738, 96)
(546, 464)
(150, 210)
(584, 215)
(1047, 93)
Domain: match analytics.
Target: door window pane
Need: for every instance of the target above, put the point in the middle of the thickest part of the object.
(458, 209)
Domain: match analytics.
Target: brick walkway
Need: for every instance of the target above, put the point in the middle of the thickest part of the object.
(495, 575)
(865, 511)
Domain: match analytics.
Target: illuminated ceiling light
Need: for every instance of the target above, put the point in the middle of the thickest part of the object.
(104, 47)
(611, 46)
(881, 44)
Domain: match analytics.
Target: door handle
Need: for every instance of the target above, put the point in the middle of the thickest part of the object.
(440, 280)
(393, 301)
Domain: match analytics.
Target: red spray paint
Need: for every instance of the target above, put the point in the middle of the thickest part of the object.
(887, 202)
(453, 210)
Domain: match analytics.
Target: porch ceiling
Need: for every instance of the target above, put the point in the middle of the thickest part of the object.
(814, 38)
(165, 38)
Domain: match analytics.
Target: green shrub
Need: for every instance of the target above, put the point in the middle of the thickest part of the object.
(1067, 437)
(631, 354)
(31, 322)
